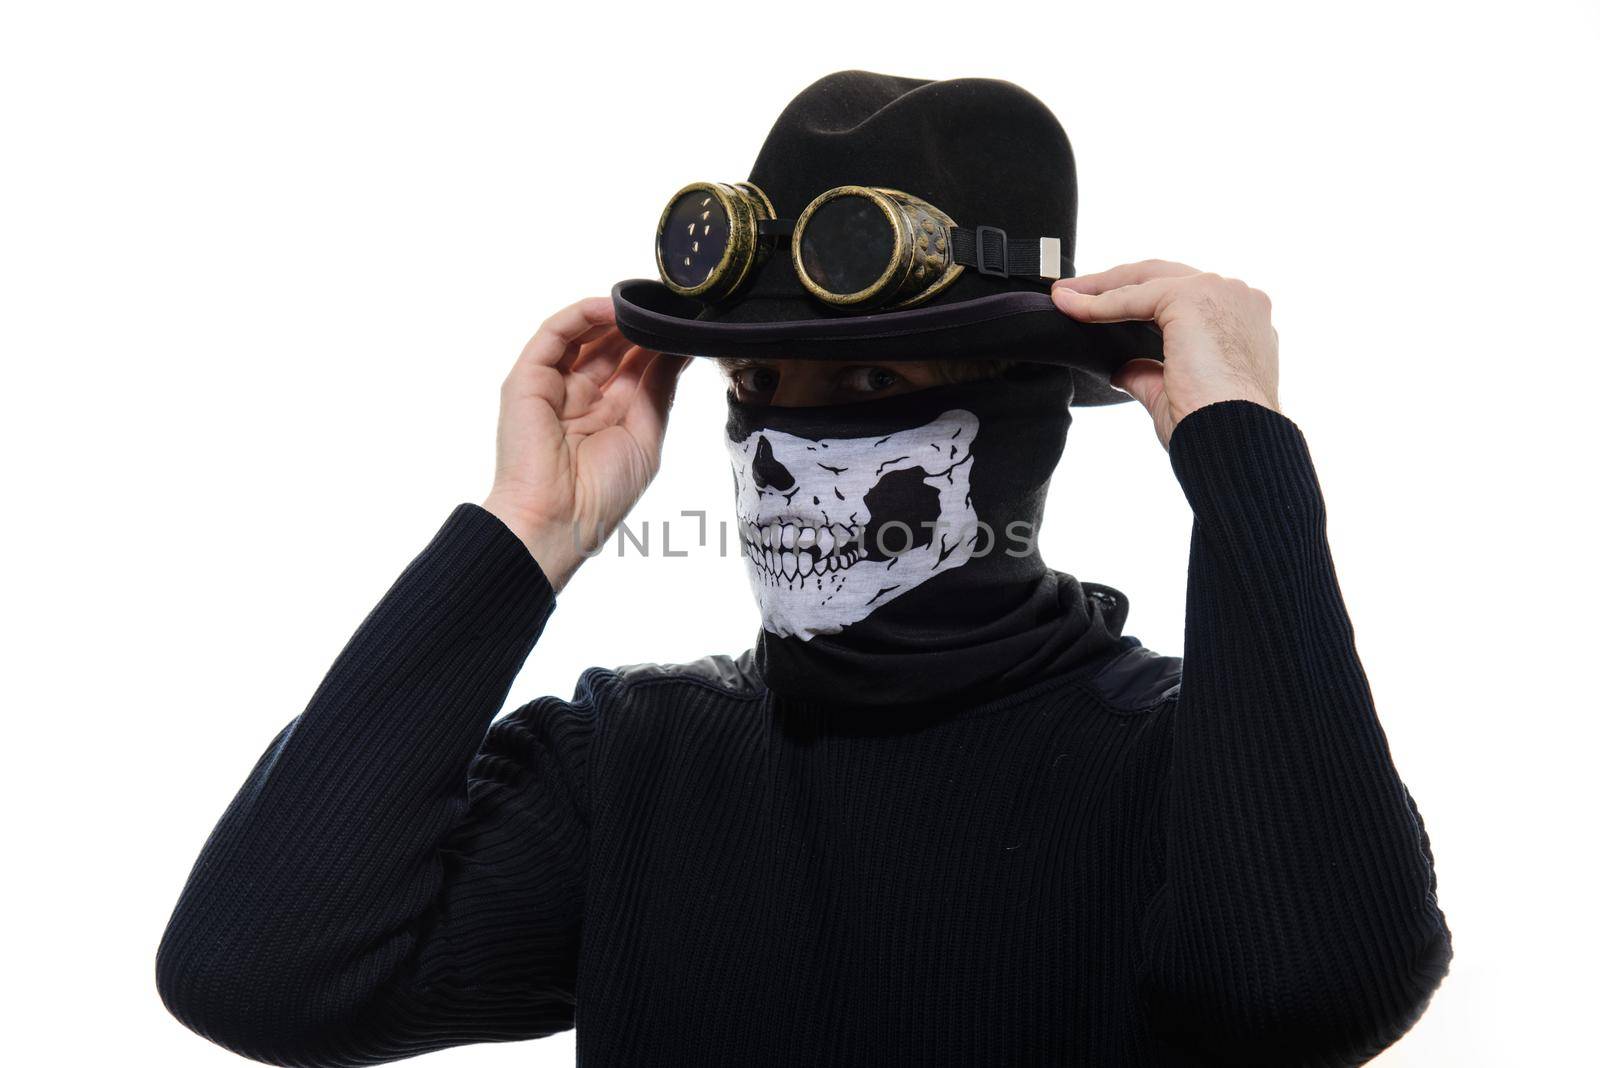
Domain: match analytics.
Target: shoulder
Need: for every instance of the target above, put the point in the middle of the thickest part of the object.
(1136, 679)
(732, 676)
(608, 699)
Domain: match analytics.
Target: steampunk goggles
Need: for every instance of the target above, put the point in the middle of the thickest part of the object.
(858, 247)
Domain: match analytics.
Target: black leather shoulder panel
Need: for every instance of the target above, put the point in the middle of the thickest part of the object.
(732, 674)
(1138, 679)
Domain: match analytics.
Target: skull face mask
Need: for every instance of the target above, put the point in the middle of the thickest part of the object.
(891, 543)
(834, 528)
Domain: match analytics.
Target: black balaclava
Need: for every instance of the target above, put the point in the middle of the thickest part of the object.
(892, 544)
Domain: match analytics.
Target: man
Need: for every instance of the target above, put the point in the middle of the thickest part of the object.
(944, 812)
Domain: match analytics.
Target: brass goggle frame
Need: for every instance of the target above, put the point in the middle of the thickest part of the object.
(919, 264)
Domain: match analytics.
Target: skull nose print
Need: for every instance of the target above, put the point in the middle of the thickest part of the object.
(768, 471)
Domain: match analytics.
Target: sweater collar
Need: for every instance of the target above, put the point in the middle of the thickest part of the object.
(1054, 626)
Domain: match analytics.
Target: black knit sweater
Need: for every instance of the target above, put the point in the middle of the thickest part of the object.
(1140, 861)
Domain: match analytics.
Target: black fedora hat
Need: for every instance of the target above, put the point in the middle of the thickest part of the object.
(988, 155)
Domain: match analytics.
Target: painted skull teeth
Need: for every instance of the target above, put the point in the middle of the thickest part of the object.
(788, 551)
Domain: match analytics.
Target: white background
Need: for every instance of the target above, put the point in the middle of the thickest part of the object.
(263, 268)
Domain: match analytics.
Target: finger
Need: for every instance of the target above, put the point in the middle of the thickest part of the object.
(599, 358)
(616, 393)
(1143, 379)
(1127, 274)
(647, 415)
(556, 342)
(1142, 301)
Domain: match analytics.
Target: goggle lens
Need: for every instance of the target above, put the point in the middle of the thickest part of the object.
(694, 238)
(848, 244)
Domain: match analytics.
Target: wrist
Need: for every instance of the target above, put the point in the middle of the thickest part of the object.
(1246, 471)
(1266, 400)
(1231, 431)
(553, 545)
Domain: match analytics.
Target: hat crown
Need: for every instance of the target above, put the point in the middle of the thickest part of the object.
(983, 150)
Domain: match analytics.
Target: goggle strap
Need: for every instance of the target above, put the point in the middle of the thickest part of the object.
(992, 251)
(775, 227)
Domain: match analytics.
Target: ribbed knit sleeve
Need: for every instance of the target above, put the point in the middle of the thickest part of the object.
(395, 876)
(1297, 923)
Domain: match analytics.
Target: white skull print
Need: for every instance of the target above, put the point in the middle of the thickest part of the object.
(833, 528)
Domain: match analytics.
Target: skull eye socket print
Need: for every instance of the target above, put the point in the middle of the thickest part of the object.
(833, 528)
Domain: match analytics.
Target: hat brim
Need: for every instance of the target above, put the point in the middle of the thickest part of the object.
(1011, 325)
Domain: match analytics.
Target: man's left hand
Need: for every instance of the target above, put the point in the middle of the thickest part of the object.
(1218, 341)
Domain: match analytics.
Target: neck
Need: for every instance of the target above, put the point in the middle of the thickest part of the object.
(989, 642)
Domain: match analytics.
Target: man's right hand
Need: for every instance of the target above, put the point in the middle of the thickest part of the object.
(582, 415)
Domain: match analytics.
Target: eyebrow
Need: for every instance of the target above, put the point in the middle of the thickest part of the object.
(732, 364)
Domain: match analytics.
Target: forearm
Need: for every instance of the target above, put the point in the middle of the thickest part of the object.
(1299, 912)
(299, 906)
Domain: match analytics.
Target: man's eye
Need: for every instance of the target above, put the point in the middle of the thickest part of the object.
(755, 380)
(868, 379)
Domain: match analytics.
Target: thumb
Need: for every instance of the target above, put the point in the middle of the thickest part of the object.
(1144, 379)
